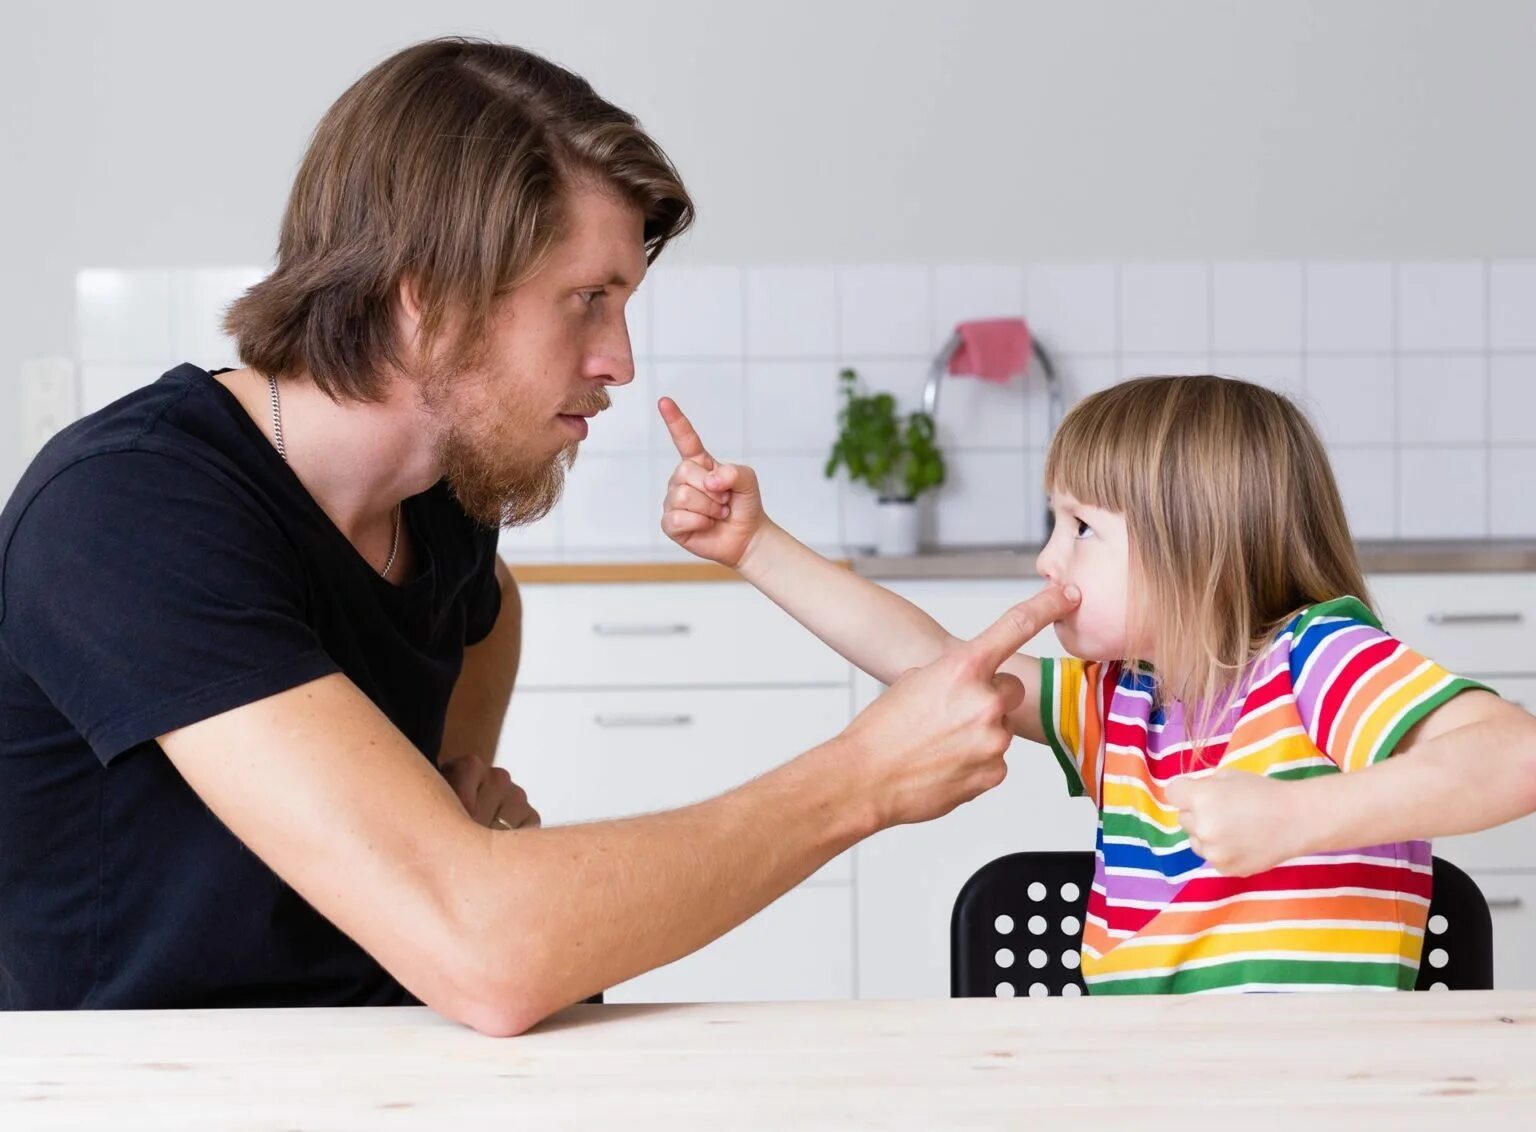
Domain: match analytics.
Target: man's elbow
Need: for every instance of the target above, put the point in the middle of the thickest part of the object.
(503, 991)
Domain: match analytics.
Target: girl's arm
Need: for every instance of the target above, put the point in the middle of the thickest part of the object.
(715, 511)
(1468, 765)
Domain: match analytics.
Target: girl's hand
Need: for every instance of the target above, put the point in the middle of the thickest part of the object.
(1241, 823)
(711, 509)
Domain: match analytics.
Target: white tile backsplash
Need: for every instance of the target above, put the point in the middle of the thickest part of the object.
(1442, 492)
(543, 537)
(1441, 306)
(124, 316)
(1512, 508)
(610, 502)
(1165, 307)
(884, 310)
(983, 499)
(1367, 479)
(1164, 365)
(1442, 399)
(1512, 398)
(696, 312)
(101, 383)
(199, 299)
(1036, 524)
(631, 420)
(1349, 307)
(791, 312)
(791, 407)
(801, 499)
(1512, 306)
(713, 395)
(904, 378)
(637, 317)
(1284, 373)
(860, 513)
(1421, 378)
(1256, 307)
(1074, 308)
(1352, 399)
(982, 414)
(965, 292)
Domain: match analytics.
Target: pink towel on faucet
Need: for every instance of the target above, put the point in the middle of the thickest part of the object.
(993, 348)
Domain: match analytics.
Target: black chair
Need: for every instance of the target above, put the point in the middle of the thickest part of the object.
(1029, 908)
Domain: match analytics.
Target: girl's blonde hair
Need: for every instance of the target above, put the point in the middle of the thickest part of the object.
(1233, 514)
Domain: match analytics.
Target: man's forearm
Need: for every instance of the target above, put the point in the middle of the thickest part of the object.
(478, 707)
(1475, 777)
(573, 910)
(877, 630)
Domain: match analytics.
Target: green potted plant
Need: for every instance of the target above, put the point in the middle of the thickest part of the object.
(893, 453)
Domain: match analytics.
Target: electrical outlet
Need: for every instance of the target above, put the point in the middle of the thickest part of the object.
(48, 400)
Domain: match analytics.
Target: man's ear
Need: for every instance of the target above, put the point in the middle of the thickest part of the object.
(408, 304)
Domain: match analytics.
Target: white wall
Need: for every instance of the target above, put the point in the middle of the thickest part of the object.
(166, 133)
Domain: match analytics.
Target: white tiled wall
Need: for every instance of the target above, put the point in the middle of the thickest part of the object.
(1421, 376)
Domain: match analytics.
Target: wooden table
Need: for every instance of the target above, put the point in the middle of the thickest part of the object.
(1364, 1062)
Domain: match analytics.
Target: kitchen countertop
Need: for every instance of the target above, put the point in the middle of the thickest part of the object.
(1355, 1061)
(667, 565)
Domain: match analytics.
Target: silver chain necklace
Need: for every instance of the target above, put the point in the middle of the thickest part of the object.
(282, 450)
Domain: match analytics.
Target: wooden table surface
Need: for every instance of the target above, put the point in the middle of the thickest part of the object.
(1361, 1061)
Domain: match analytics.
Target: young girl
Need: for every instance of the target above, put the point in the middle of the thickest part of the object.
(1227, 679)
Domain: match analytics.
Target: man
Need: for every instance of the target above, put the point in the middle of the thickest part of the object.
(256, 645)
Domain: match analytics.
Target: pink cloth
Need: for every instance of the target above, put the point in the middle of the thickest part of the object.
(993, 349)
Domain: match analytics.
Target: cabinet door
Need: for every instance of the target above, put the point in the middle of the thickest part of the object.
(1472, 624)
(661, 634)
(908, 877)
(586, 755)
(800, 948)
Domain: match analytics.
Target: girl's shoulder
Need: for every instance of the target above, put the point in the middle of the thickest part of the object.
(1347, 609)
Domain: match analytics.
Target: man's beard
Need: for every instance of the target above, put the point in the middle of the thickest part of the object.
(497, 485)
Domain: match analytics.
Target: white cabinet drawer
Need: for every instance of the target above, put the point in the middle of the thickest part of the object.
(583, 755)
(1512, 903)
(1479, 624)
(799, 948)
(659, 634)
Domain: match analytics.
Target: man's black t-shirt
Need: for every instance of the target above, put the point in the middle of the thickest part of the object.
(160, 564)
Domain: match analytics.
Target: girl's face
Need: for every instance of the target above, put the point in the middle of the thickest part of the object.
(1089, 548)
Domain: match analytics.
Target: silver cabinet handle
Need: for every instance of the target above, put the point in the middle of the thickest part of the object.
(1510, 617)
(1506, 902)
(642, 720)
(642, 629)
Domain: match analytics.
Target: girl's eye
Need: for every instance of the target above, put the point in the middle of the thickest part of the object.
(590, 297)
(1083, 529)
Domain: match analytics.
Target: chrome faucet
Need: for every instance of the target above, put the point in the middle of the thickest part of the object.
(1055, 394)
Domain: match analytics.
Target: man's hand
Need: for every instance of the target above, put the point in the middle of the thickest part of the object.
(937, 737)
(712, 510)
(1241, 823)
(488, 793)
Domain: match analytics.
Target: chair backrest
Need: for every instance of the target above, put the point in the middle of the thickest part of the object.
(1017, 926)
(1458, 941)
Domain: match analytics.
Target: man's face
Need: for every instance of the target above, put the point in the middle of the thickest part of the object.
(512, 422)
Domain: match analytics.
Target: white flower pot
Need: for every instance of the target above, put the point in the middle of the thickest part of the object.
(899, 528)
